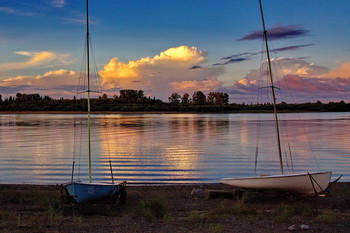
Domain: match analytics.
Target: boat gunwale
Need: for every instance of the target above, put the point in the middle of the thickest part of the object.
(94, 183)
(277, 176)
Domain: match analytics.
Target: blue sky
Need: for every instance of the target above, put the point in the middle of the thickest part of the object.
(165, 46)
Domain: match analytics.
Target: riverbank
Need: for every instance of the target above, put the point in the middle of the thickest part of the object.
(172, 208)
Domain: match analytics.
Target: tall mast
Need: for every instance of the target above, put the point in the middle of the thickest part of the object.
(88, 85)
(272, 87)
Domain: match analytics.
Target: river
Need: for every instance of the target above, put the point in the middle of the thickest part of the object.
(168, 148)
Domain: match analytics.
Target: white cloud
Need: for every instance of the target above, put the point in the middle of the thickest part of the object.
(58, 3)
(41, 58)
(170, 71)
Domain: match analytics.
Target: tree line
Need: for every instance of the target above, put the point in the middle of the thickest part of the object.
(135, 101)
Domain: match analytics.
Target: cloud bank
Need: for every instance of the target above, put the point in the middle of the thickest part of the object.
(301, 82)
(183, 69)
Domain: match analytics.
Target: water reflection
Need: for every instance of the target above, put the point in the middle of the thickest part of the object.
(39, 148)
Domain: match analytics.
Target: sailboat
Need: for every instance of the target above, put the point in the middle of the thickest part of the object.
(86, 192)
(307, 183)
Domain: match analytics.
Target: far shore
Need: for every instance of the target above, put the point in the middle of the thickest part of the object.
(146, 112)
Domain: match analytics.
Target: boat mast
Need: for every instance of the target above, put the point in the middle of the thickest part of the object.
(272, 87)
(88, 85)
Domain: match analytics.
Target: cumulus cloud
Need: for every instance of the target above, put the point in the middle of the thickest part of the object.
(60, 81)
(302, 81)
(162, 74)
(41, 58)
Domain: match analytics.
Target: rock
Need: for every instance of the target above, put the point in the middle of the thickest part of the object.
(197, 193)
(304, 227)
(292, 228)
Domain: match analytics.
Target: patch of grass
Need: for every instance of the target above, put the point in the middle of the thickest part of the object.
(304, 209)
(151, 209)
(217, 228)
(284, 212)
(241, 208)
(53, 209)
(5, 215)
(197, 217)
(326, 217)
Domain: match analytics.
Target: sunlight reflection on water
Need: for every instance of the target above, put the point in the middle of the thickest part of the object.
(171, 148)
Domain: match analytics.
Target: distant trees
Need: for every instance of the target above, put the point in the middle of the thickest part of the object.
(130, 96)
(199, 98)
(174, 98)
(218, 98)
(135, 100)
(185, 98)
(30, 97)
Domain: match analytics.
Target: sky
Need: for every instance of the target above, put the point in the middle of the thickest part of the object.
(167, 46)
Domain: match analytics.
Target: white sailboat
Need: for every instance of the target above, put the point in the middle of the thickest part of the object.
(85, 192)
(302, 183)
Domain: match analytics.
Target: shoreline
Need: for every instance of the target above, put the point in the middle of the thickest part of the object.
(38, 208)
(152, 112)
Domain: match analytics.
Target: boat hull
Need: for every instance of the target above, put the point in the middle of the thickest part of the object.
(93, 192)
(301, 183)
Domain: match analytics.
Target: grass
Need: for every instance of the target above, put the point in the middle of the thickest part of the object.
(217, 228)
(196, 217)
(151, 209)
(5, 215)
(224, 211)
(53, 209)
(326, 217)
(284, 212)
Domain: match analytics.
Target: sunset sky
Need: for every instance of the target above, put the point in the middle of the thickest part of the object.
(166, 46)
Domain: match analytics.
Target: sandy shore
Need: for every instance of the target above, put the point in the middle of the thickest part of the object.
(172, 208)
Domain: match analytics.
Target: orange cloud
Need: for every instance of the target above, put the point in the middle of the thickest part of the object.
(169, 71)
(42, 58)
(342, 71)
(194, 85)
(51, 79)
(116, 73)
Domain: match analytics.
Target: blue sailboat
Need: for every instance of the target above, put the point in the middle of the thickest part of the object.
(87, 192)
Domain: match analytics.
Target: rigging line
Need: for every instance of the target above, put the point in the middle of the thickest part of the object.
(258, 116)
(272, 89)
(98, 86)
(278, 69)
(97, 78)
(298, 114)
(291, 157)
(74, 150)
(107, 140)
(81, 79)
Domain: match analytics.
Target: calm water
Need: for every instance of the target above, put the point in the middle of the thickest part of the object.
(171, 148)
